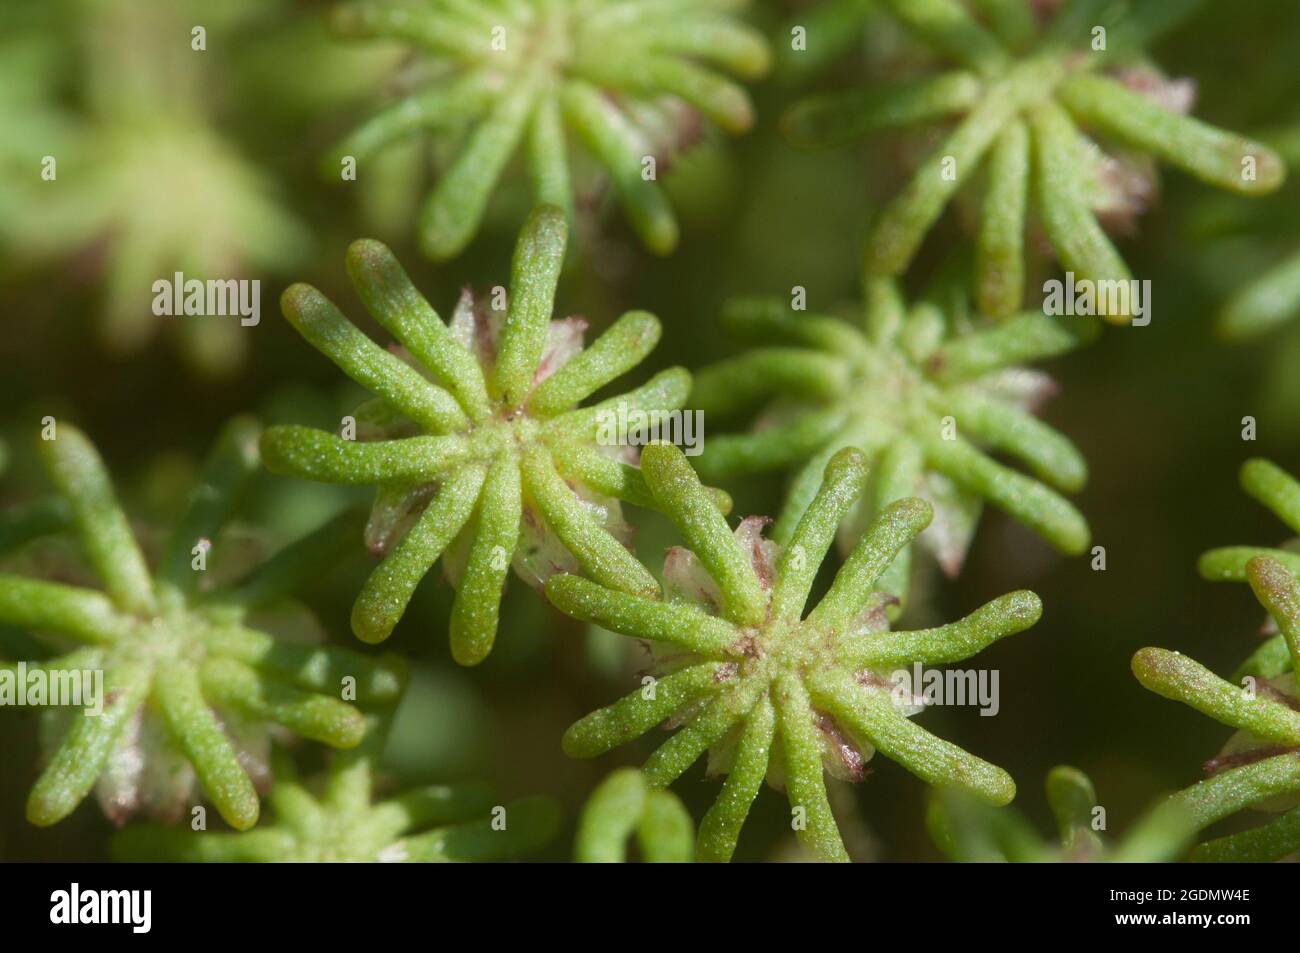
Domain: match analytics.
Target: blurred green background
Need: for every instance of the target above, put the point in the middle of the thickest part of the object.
(230, 186)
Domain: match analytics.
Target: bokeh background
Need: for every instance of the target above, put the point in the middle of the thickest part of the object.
(208, 162)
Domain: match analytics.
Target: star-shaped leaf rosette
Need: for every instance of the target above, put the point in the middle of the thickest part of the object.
(626, 78)
(1064, 117)
(337, 819)
(192, 689)
(970, 831)
(923, 398)
(476, 441)
(767, 690)
(1259, 766)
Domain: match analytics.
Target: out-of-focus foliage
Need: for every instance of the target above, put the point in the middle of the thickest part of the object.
(972, 832)
(1025, 80)
(137, 172)
(626, 805)
(337, 819)
(629, 80)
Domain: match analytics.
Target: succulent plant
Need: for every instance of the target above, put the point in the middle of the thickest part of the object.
(336, 819)
(523, 75)
(1259, 766)
(1022, 97)
(191, 687)
(970, 831)
(625, 803)
(476, 440)
(921, 396)
(766, 690)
